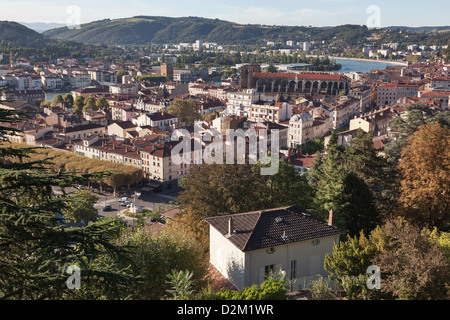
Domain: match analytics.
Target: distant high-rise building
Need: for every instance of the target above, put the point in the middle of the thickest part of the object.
(306, 46)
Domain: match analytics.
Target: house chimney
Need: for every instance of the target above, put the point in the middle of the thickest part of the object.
(230, 226)
(331, 218)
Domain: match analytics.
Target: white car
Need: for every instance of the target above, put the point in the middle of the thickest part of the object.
(124, 199)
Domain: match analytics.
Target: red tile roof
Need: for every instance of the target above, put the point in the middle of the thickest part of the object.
(217, 281)
(301, 76)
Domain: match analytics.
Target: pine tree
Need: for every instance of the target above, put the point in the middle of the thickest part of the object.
(365, 182)
(35, 245)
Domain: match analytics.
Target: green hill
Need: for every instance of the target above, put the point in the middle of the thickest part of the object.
(143, 30)
(20, 36)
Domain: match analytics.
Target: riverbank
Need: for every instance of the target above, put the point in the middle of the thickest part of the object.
(400, 63)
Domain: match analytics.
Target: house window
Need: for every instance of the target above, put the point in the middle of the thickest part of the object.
(293, 269)
(269, 269)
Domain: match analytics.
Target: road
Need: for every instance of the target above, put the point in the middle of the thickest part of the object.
(147, 200)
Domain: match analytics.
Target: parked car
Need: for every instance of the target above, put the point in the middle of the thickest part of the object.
(124, 199)
(126, 204)
(106, 208)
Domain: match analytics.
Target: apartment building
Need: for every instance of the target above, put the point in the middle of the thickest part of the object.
(389, 93)
(239, 102)
(270, 111)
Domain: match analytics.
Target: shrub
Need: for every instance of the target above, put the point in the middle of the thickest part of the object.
(270, 289)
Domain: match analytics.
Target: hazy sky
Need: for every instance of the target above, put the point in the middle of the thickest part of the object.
(273, 12)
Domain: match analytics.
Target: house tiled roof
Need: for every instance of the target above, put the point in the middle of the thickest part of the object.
(271, 228)
(217, 281)
(158, 116)
(125, 124)
(89, 126)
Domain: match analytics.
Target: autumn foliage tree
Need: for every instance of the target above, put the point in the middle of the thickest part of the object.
(415, 266)
(425, 177)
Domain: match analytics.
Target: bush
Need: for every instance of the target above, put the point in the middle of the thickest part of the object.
(321, 289)
(270, 289)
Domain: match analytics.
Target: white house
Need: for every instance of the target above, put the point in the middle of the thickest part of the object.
(300, 129)
(270, 111)
(162, 120)
(245, 247)
(240, 102)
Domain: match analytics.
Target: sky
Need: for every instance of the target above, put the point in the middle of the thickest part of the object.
(318, 13)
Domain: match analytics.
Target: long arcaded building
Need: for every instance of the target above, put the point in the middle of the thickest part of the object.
(312, 83)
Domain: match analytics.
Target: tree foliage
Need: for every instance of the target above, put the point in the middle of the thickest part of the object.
(415, 267)
(80, 207)
(156, 257)
(349, 182)
(425, 177)
(104, 173)
(35, 246)
(187, 111)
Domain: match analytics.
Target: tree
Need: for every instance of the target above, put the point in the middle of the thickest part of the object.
(425, 177)
(350, 259)
(101, 103)
(58, 99)
(271, 68)
(353, 256)
(68, 98)
(362, 159)
(187, 111)
(349, 182)
(361, 213)
(364, 183)
(286, 188)
(79, 104)
(210, 116)
(36, 247)
(329, 184)
(81, 207)
(415, 267)
(404, 127)
(120, 74)
(45, 103)
(155, 257)
(89, 104)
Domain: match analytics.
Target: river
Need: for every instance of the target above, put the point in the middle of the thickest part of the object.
(50, 95)
(363, 66)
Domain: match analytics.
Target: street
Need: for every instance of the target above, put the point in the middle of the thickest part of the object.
(150, 201)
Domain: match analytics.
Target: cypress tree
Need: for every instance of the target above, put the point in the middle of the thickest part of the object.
(329, 184)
